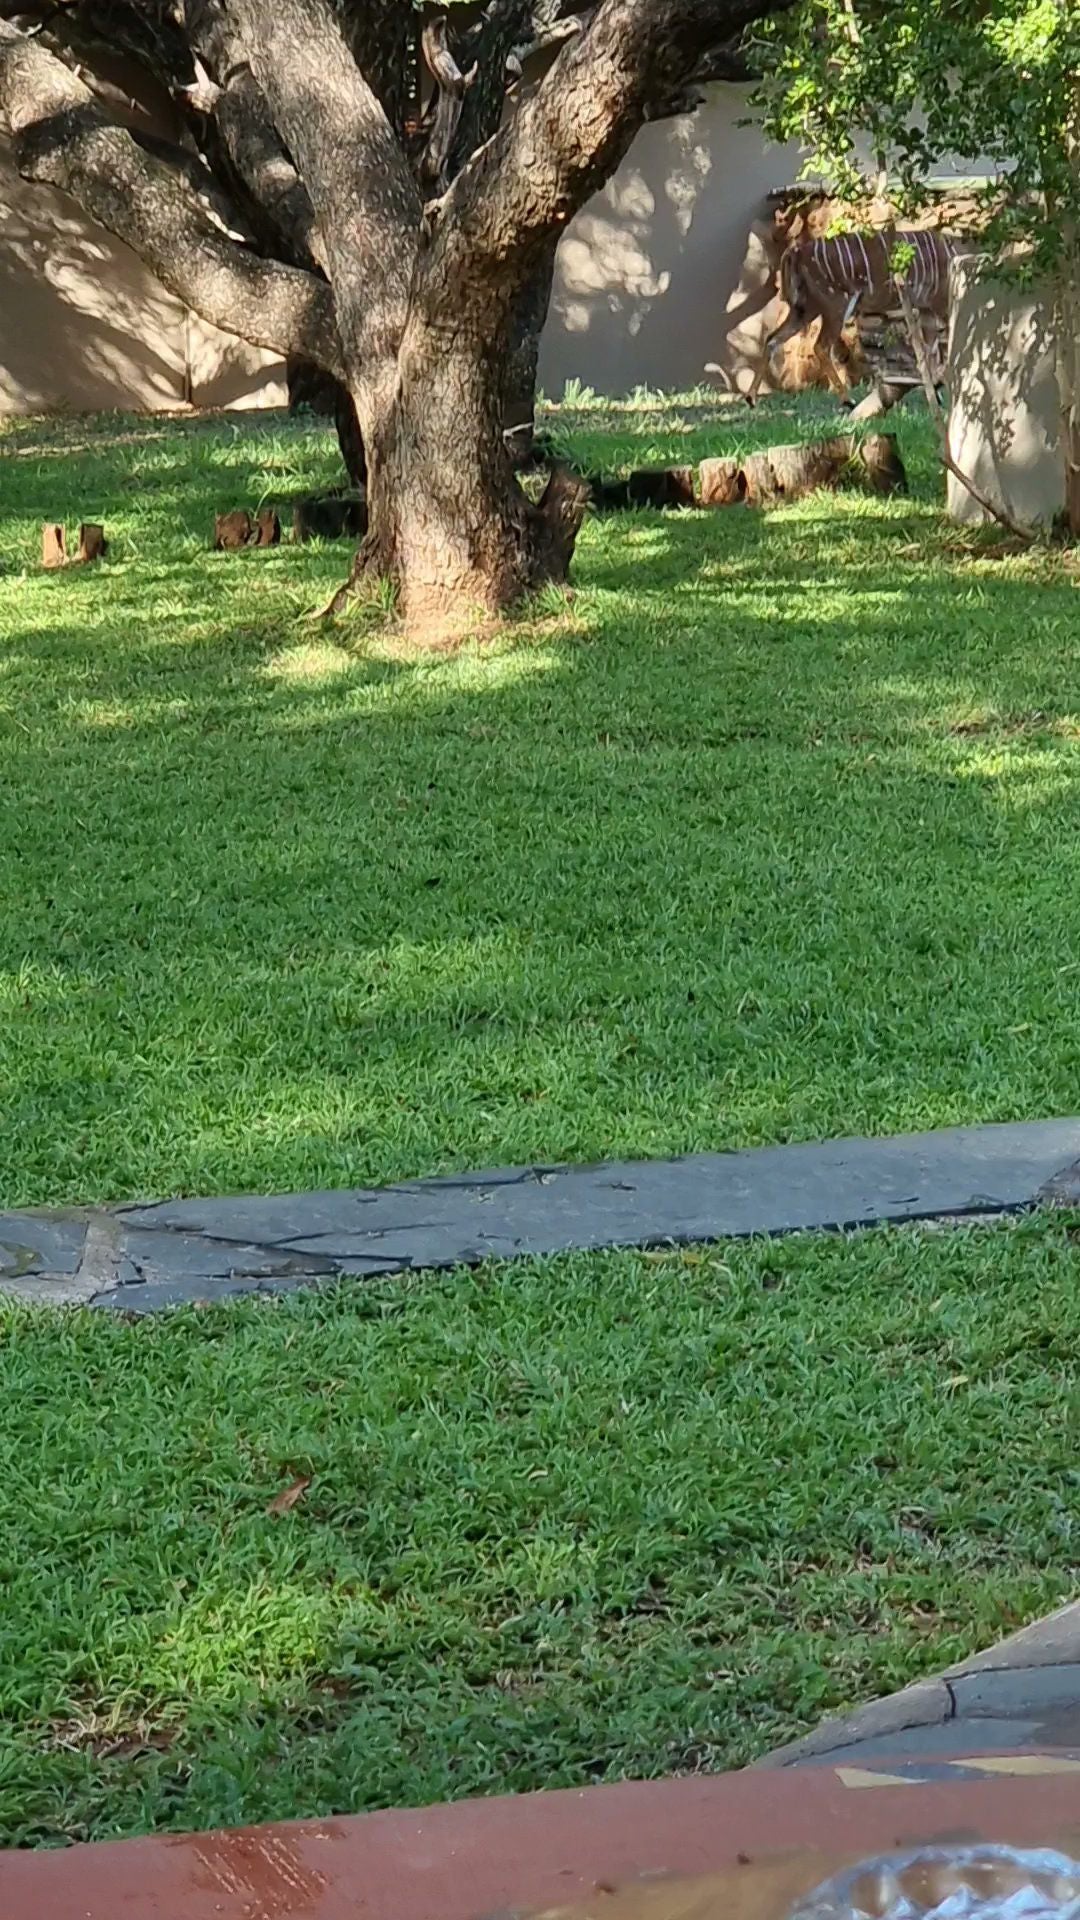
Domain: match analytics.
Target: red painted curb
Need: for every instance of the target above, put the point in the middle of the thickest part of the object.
(483, 1857)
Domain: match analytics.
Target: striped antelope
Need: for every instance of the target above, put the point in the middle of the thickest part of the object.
(832, 279)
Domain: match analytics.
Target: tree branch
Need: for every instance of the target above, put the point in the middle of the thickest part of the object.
(567, 138)
(62, 137)
(248, 135)
(364, 197)
(451, 88)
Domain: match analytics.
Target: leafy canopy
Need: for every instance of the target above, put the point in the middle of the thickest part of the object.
(907, 86)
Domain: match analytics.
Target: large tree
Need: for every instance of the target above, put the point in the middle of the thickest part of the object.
(378, 196)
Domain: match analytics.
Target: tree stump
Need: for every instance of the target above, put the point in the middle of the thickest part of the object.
(53, 545)
(92, 542)
(658, 487)
(882, 468)
(233, 530)
(722, 483)
(267, 528)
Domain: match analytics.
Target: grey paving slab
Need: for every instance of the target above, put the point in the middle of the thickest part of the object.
(140, 1258)
(1052, 1641)
(41, 1243)
(925, 1705)
(998, 1691)
(1023, 1694)
(950, 1740)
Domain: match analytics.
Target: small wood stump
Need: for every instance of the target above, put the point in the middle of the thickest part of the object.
(233, 530)
(660, 487)
(92, 542)
(722, 483)
(53, 545)
(882, 467)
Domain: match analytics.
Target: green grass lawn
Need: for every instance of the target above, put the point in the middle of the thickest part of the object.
(568, 1521)
(774, 832)
(771, 832)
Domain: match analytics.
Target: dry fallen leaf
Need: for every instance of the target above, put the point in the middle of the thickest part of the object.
(285, 1501)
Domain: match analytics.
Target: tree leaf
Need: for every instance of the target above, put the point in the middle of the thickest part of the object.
(285, 1501)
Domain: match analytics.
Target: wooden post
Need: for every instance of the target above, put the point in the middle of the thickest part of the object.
(92, 542)
(53, 545)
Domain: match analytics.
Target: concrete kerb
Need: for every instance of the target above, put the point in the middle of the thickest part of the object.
(1018, 1684)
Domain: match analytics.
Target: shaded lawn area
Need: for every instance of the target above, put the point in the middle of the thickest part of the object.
(771, 833)
(569, 1521)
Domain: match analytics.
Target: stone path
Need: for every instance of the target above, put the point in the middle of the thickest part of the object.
(143, 1258)
(1021, 1697)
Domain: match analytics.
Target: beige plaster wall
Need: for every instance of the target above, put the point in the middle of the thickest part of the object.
(667, 269)
(84, 327)
(671, 266)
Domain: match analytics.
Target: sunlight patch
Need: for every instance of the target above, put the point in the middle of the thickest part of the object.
(310, 662)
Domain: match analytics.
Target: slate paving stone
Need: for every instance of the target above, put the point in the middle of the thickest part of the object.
(158, 1255)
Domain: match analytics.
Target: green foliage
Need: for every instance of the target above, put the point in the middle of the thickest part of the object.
(901, 85)
(568, 1521)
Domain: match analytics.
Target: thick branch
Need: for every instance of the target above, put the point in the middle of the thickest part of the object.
(247, 133)
(61, 137)
(567, 138)
(381, 36)
(507, 35)
(366, 203)
(725, 62)
(451, 88)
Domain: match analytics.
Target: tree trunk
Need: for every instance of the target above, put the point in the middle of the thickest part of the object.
(1069, 382)
(449, 524)
(530, 320)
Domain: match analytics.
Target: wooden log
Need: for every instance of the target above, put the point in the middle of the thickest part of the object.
(787, 473)
(882, 469)
(722, 483)
(267, 528)
(326, 516)
(233, 530)
(53, 545)
(92, 542)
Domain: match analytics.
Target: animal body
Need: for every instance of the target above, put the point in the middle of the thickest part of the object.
(831, 279)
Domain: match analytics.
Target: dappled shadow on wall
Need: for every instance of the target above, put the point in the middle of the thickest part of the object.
(648, 271)
(83, 326)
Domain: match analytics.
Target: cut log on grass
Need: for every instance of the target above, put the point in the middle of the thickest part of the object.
(233, 530)
(329, 517)
(53, 545)
(92, 542)
(787, 473)
(878, 464)
(722, 483)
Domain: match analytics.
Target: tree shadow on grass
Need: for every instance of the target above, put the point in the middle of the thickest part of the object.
(767, 834)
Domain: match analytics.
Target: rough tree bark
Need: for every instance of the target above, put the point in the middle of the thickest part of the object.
(403, 245)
